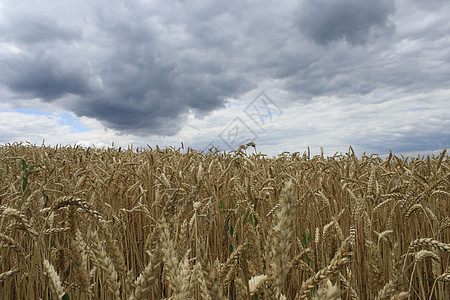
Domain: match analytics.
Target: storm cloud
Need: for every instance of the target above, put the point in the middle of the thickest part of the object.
(353, 20)
(37, 75)
(146, 67)
(31, 29)
(135, 71)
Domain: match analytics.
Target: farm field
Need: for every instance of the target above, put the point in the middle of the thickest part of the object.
(89, 223)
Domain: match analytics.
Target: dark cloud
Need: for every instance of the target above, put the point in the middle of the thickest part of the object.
(125, 71)
(155, 98)
(29, 29)
(40, 76)
(145, 91)
(142, 67)
(353, 20)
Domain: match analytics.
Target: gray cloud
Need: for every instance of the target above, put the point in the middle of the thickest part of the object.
(125, 71)
(145, 91)
(143, 67)
(31, 29)
(42, 76)
(353, 20)
(430, 5)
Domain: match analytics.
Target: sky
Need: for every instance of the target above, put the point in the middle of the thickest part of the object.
(285, 75)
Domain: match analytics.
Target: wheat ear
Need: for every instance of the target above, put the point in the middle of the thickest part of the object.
(147, 277)
(281, 240)
(341, 258)
(8, 274)
(171, 262)
(429, 242)
(198, 274)
(9, 242)
(107, 265)
(256, 283)
(55, 281)
(16, 214)
(80, 259)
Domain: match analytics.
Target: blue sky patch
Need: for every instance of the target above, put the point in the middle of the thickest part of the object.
(66, 119)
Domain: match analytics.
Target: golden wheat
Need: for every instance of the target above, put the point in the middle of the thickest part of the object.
(89, 223)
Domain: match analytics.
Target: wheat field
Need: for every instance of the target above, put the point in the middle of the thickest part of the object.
(90, 223)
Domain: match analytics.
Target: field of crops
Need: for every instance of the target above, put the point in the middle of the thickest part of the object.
(89, 223)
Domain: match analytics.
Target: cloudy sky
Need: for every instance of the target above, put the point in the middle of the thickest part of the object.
(283, 74)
